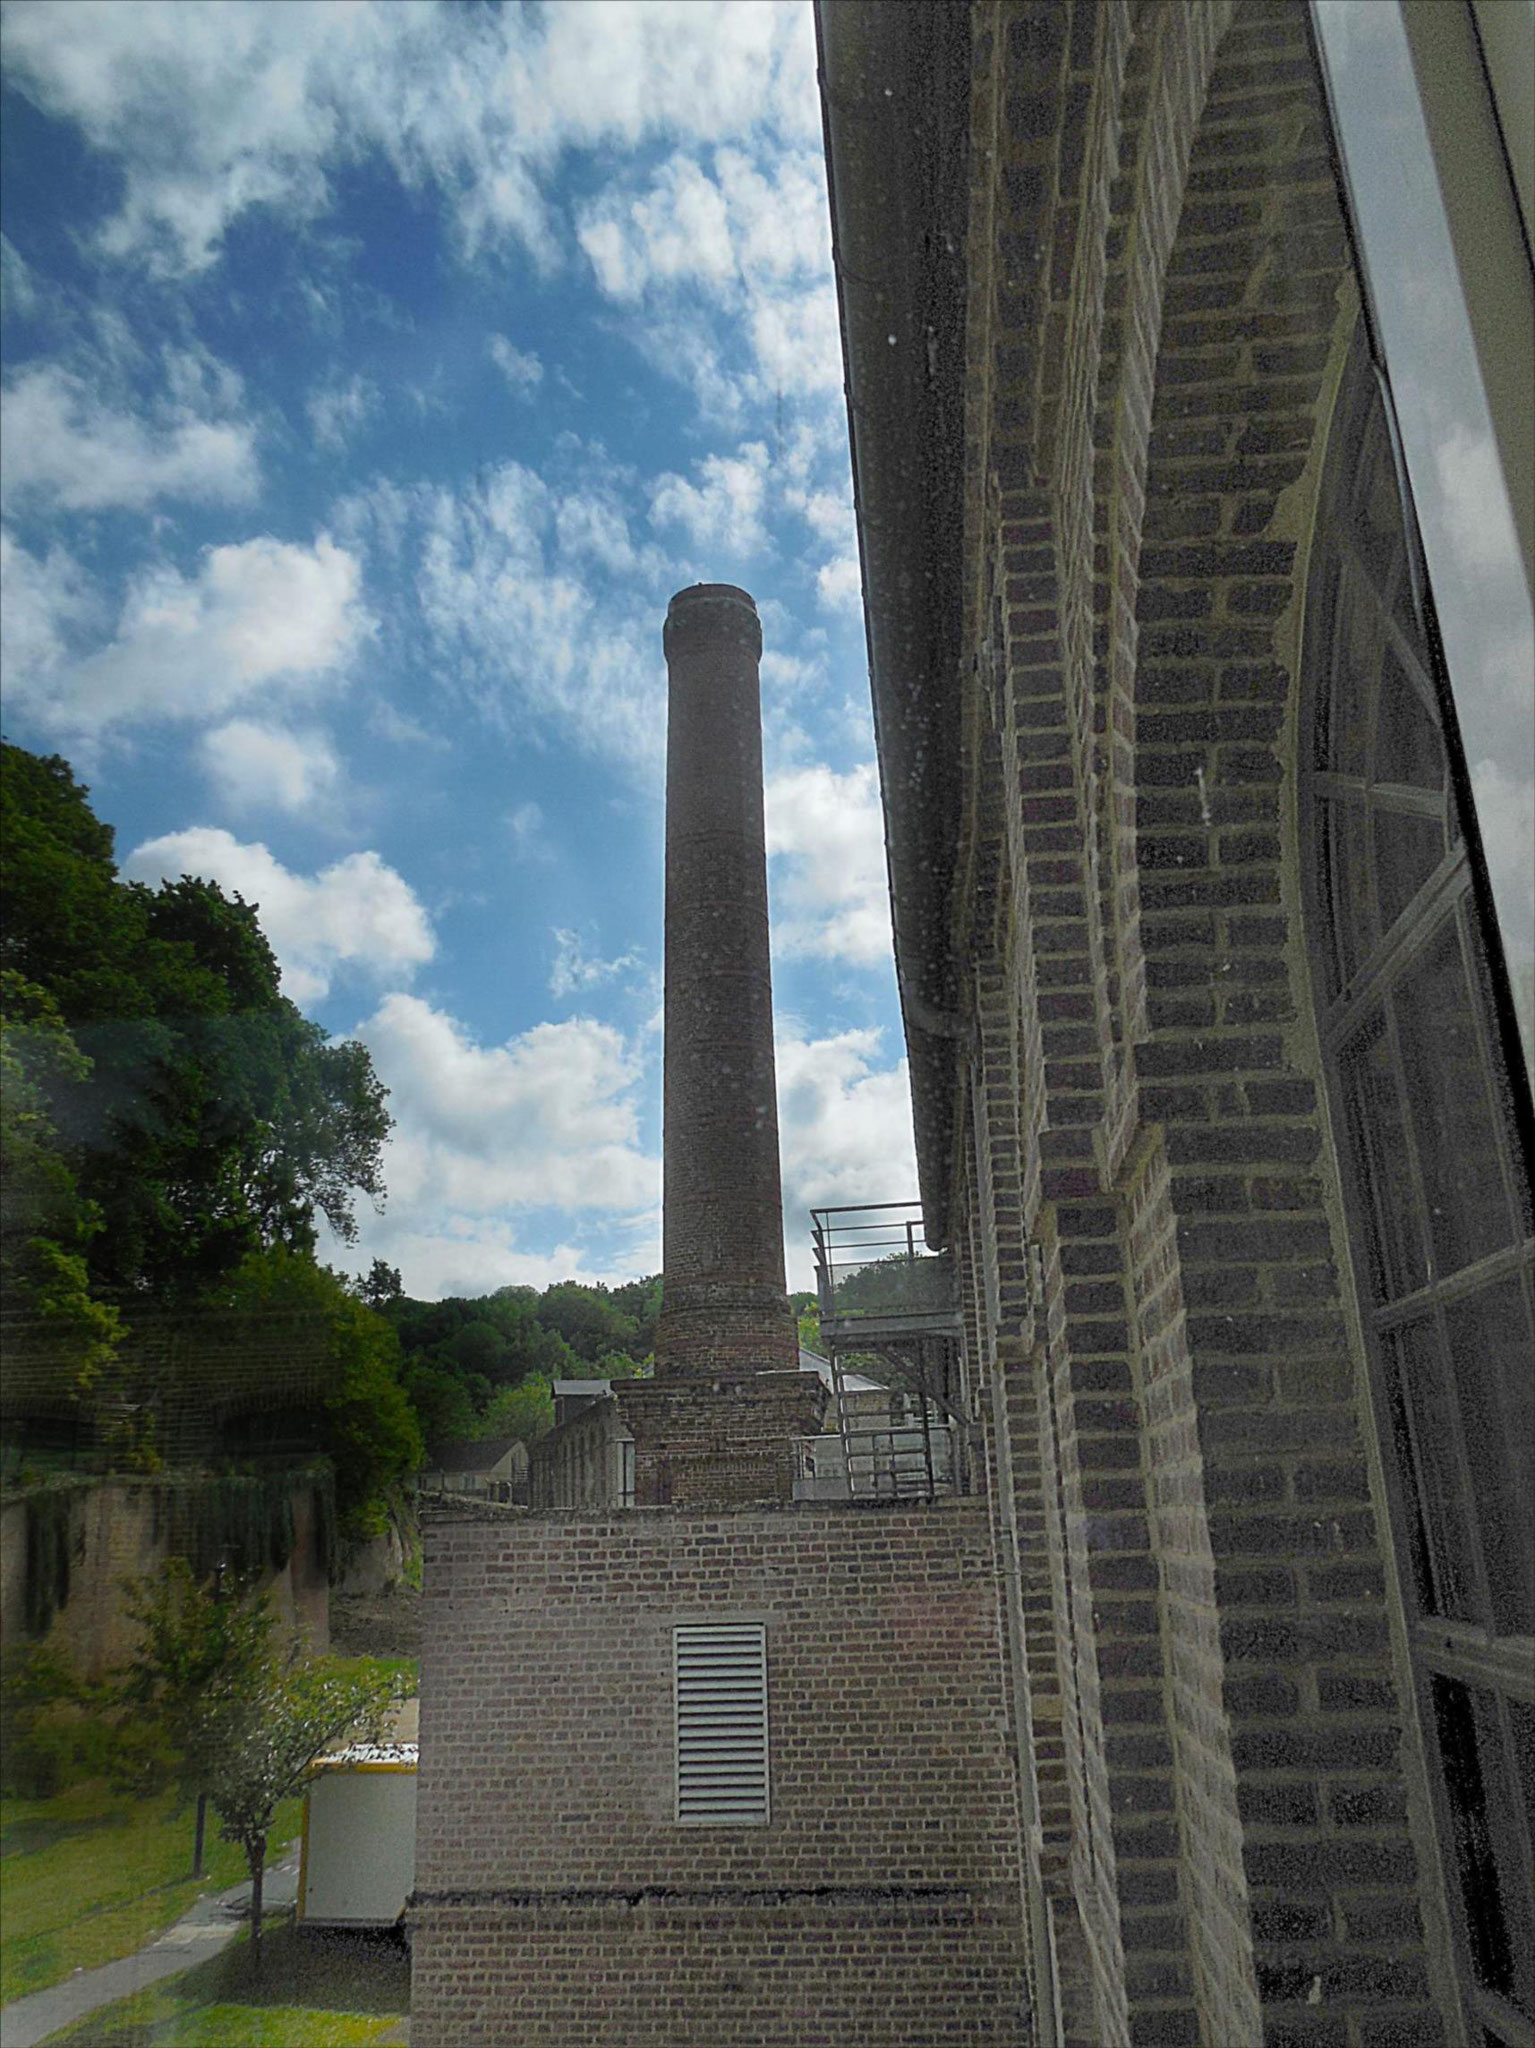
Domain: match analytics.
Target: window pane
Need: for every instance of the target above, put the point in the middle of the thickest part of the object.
(1462, 1756)
(1356, 653)
(1436, 1487)
(1408, 848)
(1492, 1346)
(1378, 508)
(1378, 1142)
(1353, 903)
(1457, 1137)
(1407, 743)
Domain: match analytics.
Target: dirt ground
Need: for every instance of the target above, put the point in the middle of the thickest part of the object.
(386, 1624)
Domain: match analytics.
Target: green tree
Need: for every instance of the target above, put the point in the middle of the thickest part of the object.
(588, 1320)
(196, 1639)
(382, 1285)
(525, 1412)
(221, 1707)
(45, 1222)
(372, 1436)
(443, 1405)
(208, 1118)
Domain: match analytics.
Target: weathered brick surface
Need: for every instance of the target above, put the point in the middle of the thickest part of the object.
(1160, 301)
(724, 1307)
(557, 1899)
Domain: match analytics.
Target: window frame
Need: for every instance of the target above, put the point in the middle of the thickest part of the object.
(1357, 1006)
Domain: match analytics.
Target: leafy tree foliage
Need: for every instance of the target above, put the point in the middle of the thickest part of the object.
(45, 1222)
(486, 1367)
(372, 1436)
(202, 1116)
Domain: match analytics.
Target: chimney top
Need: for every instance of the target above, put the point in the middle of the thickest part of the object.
(705, 605)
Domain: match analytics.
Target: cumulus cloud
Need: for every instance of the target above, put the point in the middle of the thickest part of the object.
(844, 1126)
(489, 1137)
(259, 617)
(723, 510)
(263, 767)
(825, 835)
(43, 599)
(520, 367)
(358, 915)
(67, 445)
(745, 233)
(210, 111)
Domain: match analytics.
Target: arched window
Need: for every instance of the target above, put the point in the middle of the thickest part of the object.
(1438, 1194)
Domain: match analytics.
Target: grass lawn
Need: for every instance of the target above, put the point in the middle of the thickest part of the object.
(92, 1875)
(316, 1991)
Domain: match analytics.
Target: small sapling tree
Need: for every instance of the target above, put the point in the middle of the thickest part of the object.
(212, 1702)
(263, 1739)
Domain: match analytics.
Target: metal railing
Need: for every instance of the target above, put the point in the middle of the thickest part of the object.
(872, 1263)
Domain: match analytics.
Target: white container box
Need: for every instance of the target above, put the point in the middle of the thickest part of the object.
(358, 1860)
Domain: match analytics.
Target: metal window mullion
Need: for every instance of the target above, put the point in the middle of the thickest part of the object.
(1433, 902)
(1410, 657)
(1509, 1260)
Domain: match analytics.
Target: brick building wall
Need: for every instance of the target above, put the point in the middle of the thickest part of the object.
(556, 1897)
(1132, 1158)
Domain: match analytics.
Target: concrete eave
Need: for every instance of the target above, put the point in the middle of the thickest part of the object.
(894, 97)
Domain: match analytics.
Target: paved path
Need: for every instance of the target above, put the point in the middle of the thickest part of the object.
(201, 1933)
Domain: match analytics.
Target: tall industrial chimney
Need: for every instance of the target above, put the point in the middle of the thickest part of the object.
(724, 1309)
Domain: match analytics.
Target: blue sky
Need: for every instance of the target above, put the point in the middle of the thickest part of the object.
(374, 375)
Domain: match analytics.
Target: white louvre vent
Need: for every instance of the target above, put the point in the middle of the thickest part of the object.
(722, 1749)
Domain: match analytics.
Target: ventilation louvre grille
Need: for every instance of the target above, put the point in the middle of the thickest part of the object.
(722, 1749)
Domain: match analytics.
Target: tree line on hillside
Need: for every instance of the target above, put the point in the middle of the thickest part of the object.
(485, 1366)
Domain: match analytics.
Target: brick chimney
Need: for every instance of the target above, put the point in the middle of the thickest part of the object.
(724, 1310)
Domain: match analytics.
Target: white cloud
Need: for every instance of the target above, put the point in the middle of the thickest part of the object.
(67, 445)
(525, 823)
(358, 914)
(844, 1126)
(574, 970)
(41, 601)
(20, 293)
(825, 832)
(749, 238)
(490, 1139)
(723, 510)
(1505, 813)
(591, 526)
(520, 367)
(678, 230)
(337, 410)
(839, 584)
(547, 1119)
(506, 593)
(212, 110)
(259, 767)
(264, 616)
